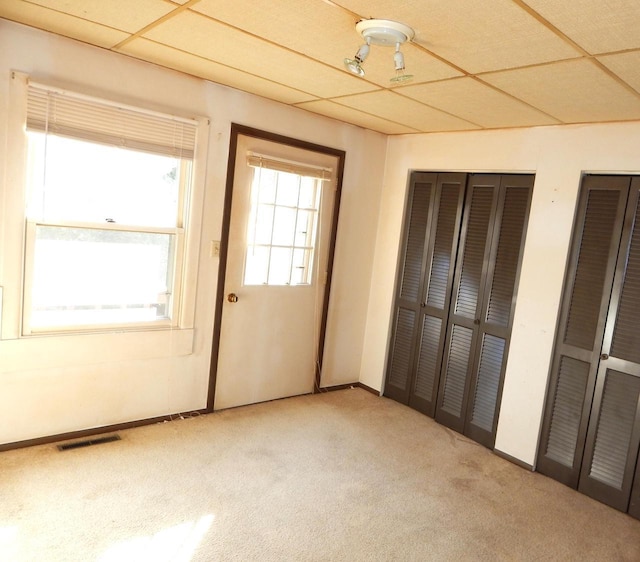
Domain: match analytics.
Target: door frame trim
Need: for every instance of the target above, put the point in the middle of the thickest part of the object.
(243, 130)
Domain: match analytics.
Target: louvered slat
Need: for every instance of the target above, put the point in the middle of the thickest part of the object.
(586, 295)
(456, 371)
(488, 382)
(441, 261)
(507, 255)
(414, 254)
(566, 410)
(401, 354)
(626, 336)
(428, 358)
(474, 249)
(615, 425)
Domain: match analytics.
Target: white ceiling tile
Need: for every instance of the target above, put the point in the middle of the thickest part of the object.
(63, 24)
(218, 42)
(396, 108)
(292, 23)
(209, 70)
(598, 26)
(476, 102)
(125, 15)
(572, 91)
(355, 117)
(626, 66)
(477, 36)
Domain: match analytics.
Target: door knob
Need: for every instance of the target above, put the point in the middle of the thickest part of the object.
(232, 297)
(604, 356)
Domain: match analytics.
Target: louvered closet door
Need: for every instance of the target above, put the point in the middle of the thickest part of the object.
(439, 269)
(634, 504)
(585, 302)
(481, 313)
(424, 286)
(409, 286)
(496, 313)
(613, 437)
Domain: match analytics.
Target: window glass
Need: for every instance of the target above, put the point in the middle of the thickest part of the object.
(75, 180)
(86, 276)
(282, 228)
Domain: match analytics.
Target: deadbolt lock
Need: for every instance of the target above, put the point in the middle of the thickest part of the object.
(232, 297)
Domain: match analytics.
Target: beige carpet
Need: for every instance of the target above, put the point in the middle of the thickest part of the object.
(337, 476)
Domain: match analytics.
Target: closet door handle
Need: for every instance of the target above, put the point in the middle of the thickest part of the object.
(604, 357)
(477, 321)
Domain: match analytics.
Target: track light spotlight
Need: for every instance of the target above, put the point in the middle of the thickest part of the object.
(354, 65)
(398, 60)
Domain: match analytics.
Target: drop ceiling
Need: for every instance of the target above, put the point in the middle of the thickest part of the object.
(476, 64)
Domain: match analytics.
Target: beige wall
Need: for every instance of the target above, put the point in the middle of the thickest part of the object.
(51, 385)
(558, 156)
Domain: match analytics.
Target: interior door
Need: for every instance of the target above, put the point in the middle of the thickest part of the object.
(581, 325)
(591, 431)
(276, 272)
(464, 318)
(613, 437)
(482, 306)
(430, 243)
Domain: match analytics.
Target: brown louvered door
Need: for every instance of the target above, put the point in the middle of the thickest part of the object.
(481, 313)
(613, 436)
(580, 332)
(434, 308)
(430, 243)
(634, 503)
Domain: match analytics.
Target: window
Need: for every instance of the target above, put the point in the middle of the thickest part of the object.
(108, 188)
(281, 233)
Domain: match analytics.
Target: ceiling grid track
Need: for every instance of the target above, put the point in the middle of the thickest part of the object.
(528, 63)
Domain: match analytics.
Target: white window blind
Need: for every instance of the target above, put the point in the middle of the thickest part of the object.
(307, 170)
(63, 113)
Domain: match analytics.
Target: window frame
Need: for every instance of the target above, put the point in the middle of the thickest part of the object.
(174, 269)
(19, 260)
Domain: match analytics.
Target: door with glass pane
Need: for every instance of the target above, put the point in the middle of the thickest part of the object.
(276, 272)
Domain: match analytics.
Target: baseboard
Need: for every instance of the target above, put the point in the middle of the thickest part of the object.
(514, 460)
(95, 431)
(337, 387)
(349, 385)
(369, 389)
(138, 423)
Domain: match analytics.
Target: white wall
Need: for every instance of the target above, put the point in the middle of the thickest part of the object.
(52, 385)
(558, 156)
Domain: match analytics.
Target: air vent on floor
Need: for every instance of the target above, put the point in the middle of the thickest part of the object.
(87, 442)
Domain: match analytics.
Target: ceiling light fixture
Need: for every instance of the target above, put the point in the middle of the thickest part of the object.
(386, 33)
(354, 64)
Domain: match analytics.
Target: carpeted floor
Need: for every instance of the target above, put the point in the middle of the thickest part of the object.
(337, 476)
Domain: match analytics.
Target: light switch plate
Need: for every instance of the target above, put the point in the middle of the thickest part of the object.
(214, 249)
